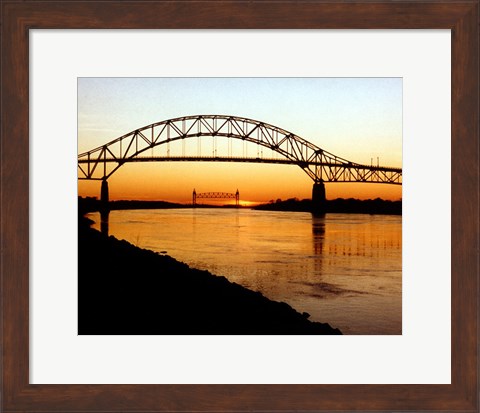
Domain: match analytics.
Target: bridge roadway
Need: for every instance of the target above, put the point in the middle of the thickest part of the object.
(250, 159)
(370, 173)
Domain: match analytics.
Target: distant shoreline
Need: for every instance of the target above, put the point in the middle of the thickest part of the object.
(339, 205)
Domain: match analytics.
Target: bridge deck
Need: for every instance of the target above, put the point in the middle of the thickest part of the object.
(238, 159)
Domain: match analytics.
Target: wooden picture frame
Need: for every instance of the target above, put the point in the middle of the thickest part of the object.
(18, 17)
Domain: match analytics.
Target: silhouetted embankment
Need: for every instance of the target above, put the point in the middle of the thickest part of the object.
(123, 289)
(90, 204)
(339, 205)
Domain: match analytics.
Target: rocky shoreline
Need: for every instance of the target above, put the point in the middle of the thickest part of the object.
(123, 289)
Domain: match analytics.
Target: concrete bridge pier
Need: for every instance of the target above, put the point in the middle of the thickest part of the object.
(104, 194)
(318, 198)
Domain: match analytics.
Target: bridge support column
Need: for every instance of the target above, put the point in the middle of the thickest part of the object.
(318, 198)
(104, 195)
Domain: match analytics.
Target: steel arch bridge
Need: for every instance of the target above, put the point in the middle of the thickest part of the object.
(321, 166)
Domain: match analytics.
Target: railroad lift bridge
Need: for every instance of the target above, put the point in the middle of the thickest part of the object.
(215, 195)
(152, 143)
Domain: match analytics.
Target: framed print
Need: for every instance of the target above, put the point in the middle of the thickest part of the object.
(427, 362)
(41, 40)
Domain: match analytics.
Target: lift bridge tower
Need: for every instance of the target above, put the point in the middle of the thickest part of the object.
(216, 195)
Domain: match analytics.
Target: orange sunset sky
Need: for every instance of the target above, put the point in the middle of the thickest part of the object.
(358, 119)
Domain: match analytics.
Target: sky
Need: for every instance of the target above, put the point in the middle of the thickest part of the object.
(358, 119)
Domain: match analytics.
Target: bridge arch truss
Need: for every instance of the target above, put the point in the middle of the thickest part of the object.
(321, 166)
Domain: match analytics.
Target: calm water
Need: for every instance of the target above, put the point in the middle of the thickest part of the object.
(344, 269)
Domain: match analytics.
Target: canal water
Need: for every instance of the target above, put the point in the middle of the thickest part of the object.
(344, 269)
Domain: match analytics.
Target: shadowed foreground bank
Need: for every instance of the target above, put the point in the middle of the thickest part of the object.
(123, 289)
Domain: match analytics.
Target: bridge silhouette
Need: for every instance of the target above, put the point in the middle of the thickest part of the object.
(145, 145)
(215, 195)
